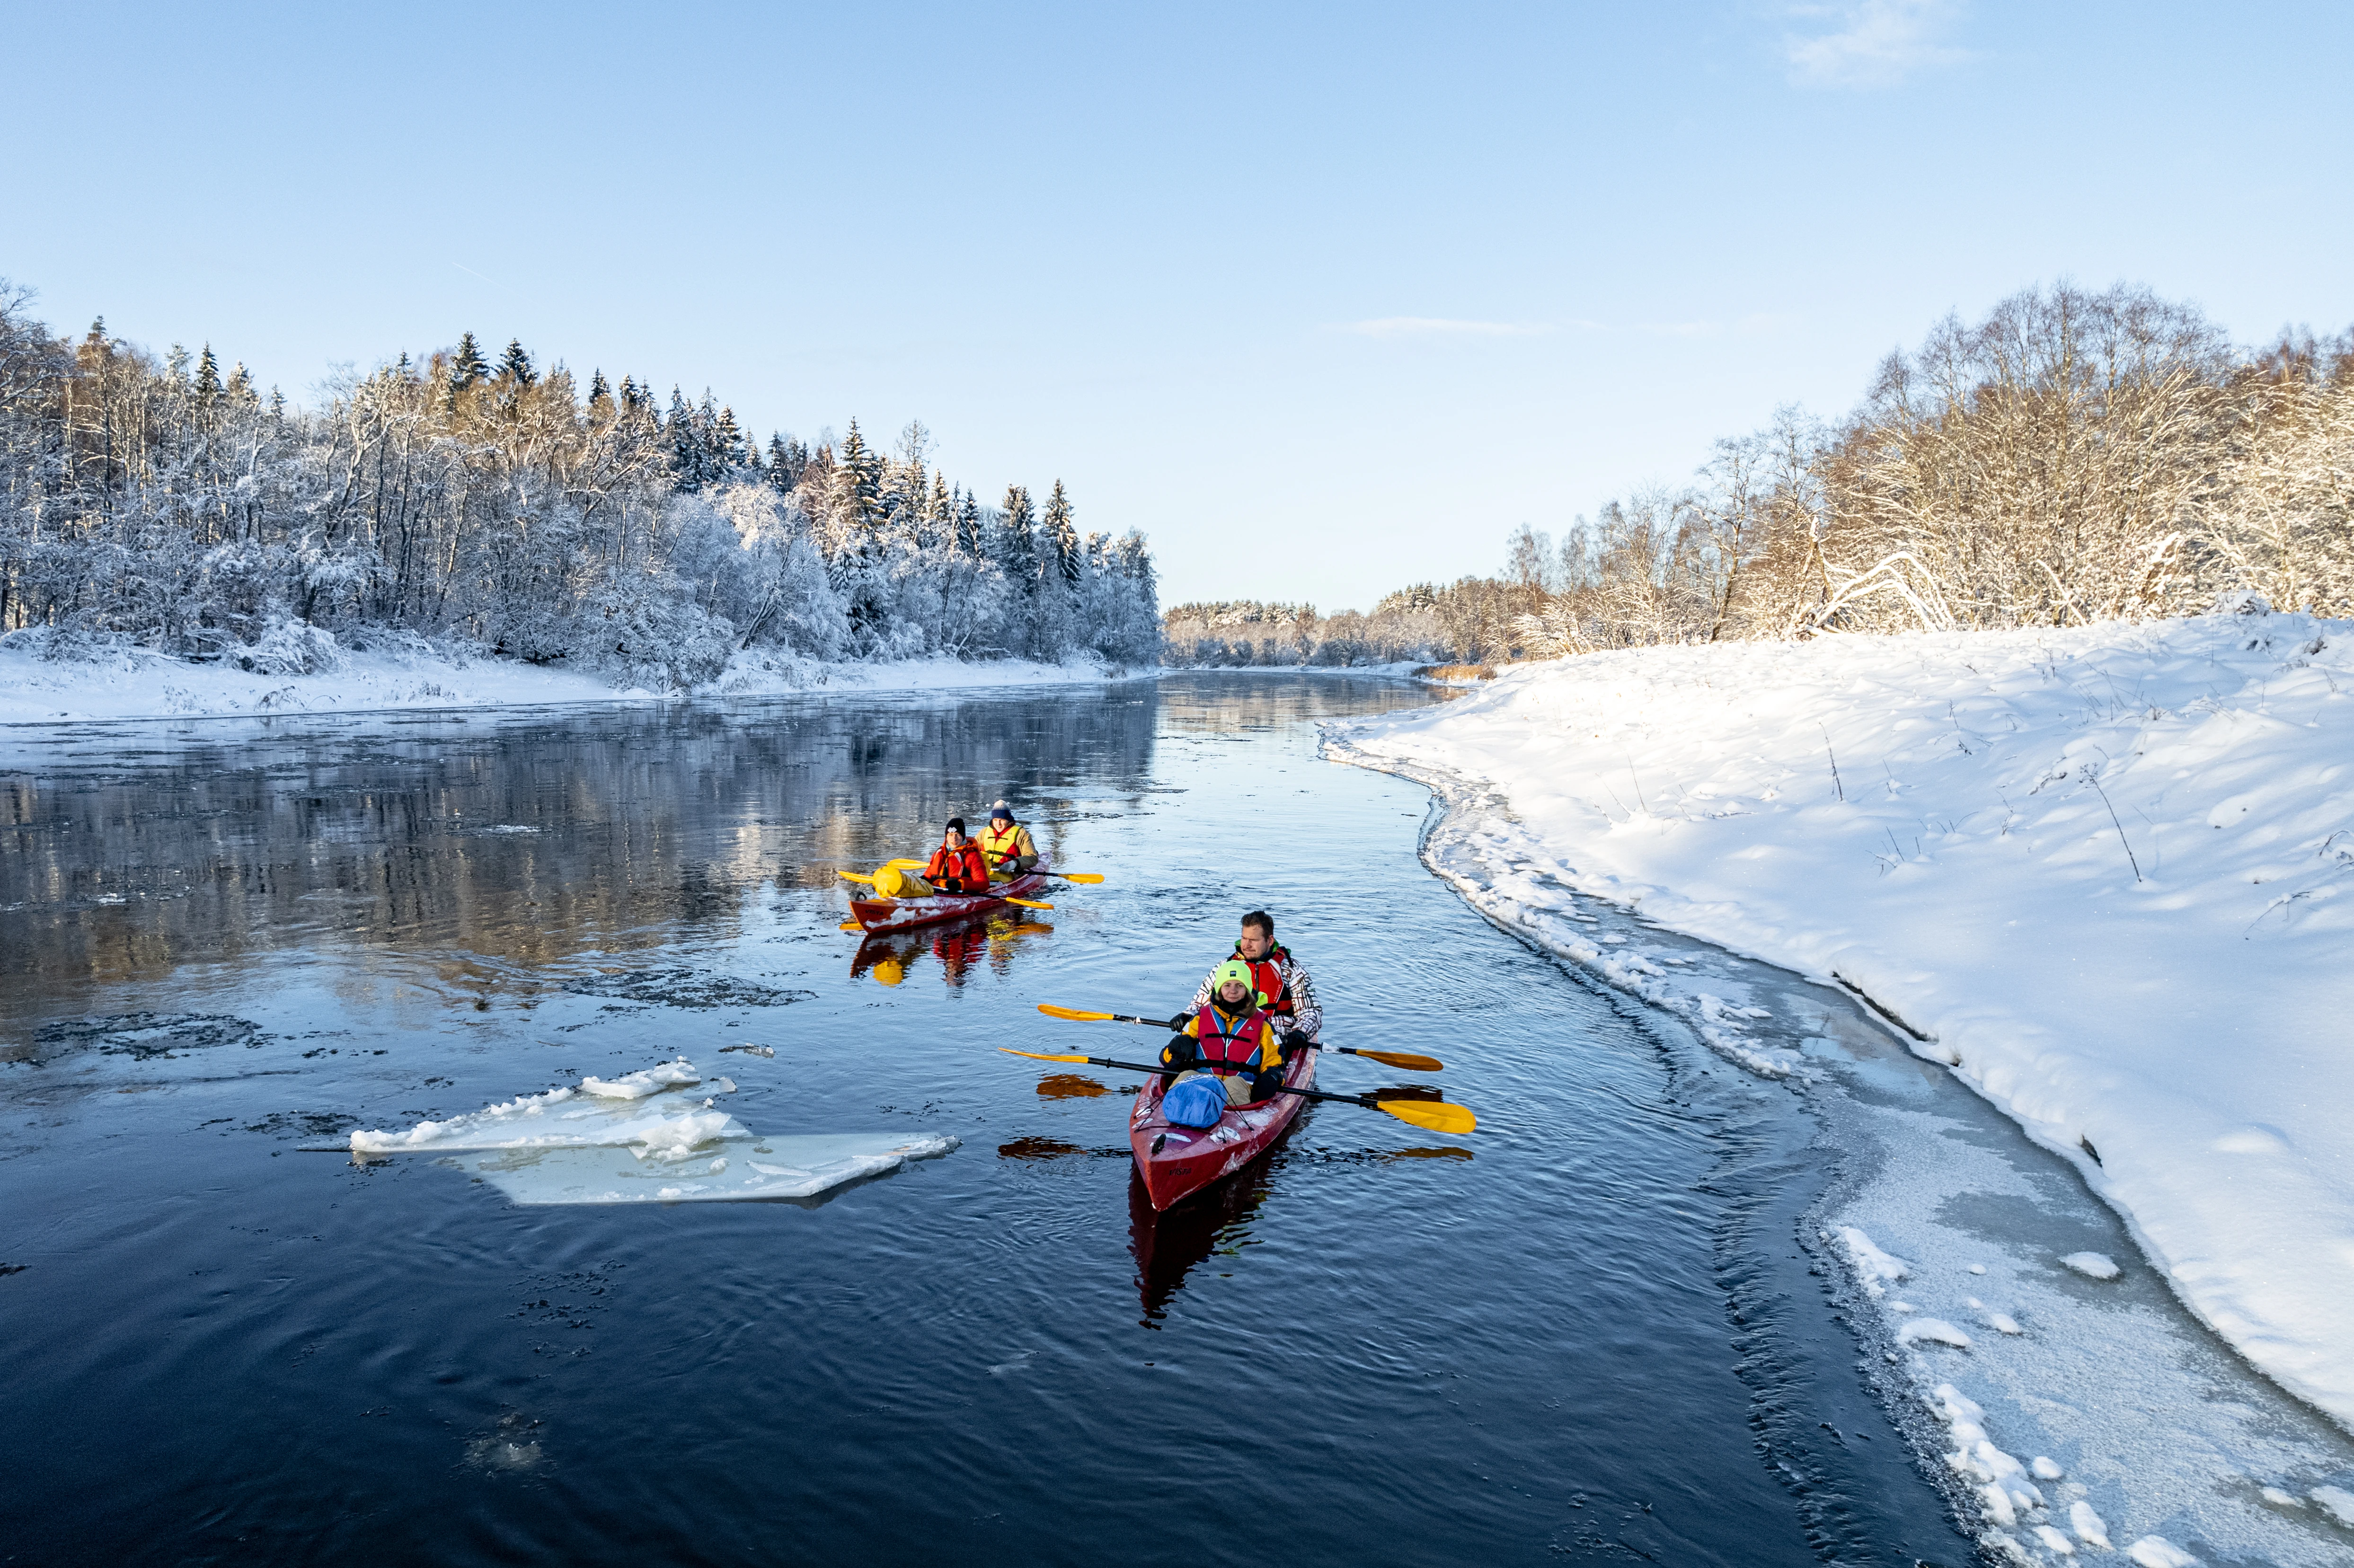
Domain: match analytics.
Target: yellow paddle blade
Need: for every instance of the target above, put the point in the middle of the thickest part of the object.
(1075, 1015)
(1436, 1114)
(1038, 1057)
(1407, 1059)
(855, 876)
(1080, 876)
(905, 864)
(850, 926)
(1027, 903)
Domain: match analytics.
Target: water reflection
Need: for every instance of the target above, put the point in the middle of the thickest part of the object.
(510, 843)
(888, 956)
(1169, 1244)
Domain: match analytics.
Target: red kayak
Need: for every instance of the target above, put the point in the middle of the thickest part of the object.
(898, 913)
(1177, 1161)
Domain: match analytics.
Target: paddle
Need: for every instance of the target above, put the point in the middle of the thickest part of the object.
(1003, 898)
(1065, 875)
(1407, 1059)
(1436, 1115)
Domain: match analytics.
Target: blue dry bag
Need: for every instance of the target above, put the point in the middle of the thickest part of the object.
(1194, 1102)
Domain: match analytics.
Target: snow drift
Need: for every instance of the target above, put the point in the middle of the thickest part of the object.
(2100, 872)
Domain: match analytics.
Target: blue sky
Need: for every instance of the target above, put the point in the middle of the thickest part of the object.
(1324, 299)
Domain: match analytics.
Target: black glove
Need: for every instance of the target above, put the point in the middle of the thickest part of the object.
(1181, 1053)
(1265, 1083)
(1293, 1045)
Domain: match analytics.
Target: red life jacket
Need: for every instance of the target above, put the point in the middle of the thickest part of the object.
(1228, 1050)
(1266, 978)
(963, 862)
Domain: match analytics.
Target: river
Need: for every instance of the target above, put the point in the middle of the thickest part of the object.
(1583, 1333)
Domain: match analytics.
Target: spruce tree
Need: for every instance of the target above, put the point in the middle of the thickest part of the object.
(785, 460)
(967, 527)
(939, 513)
(598, 393)
(466, 367)
(860, 483)
(688, 468)
(729, 448)
(1062, 538)
(208, 382)
(514, 365)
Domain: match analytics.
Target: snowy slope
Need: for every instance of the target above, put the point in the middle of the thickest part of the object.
(134, 684)
(2102, 872)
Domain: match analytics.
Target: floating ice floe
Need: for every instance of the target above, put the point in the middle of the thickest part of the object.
(735, 1169)
(644, 1138)
(2093, 1264)
(642, 1108)
(647, 1081)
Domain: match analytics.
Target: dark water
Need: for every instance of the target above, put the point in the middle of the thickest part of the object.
(1582, 1334)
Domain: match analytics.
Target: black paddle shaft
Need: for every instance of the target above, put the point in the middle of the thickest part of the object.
(1176, 1024)
(1365, 1100)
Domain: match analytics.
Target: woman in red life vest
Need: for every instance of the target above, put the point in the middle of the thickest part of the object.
(1231, 1037)
(957, 866)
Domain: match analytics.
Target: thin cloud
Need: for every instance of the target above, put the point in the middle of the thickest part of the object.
(1444, 326)
(1879, 43)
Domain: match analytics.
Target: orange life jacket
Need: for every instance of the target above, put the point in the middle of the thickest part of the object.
(1231, 1048)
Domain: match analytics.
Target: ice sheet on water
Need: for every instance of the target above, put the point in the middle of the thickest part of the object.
(2157, 1552)
(144, 1035)
(648, 1109)
(680, 986)
(644, 1138)
(646, 1081)
(2093, 1264)
(737, 1169)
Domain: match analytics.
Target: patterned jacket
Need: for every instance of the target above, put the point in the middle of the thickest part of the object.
(1305, 1017)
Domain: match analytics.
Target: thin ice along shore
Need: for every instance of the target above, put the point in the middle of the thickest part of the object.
(2095, 874)
(2101, 873)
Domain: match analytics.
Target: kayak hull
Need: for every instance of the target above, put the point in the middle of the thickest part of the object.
(899, 914)
(1176, 1162)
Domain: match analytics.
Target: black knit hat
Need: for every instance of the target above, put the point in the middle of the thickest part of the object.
(957, 822)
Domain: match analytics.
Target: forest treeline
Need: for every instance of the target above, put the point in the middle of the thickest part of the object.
(170, 504)
(2074, 457)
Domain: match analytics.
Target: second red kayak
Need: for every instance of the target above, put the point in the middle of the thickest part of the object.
(1178, 1161)
(898, 913)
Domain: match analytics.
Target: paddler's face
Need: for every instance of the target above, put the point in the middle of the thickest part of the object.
(955, 840)
(1254, 943)
(1233, 993)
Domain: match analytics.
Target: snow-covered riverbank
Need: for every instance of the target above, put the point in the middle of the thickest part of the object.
(135, 684)
(2101, 873)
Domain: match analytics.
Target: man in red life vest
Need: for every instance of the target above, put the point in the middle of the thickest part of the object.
(1281, 980)
(957, 866)
(1230, 1037)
